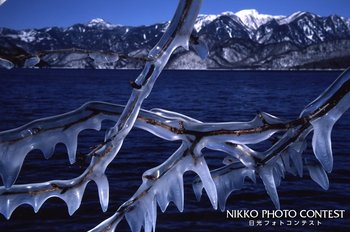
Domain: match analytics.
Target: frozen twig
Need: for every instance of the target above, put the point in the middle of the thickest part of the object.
(164, 183)
(230, 138)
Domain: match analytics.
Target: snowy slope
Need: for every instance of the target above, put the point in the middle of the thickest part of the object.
(244, 39)
(253, 19)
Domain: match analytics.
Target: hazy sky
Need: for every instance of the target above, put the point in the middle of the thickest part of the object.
(21, 14)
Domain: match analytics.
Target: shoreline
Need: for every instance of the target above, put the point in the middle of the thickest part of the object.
(184, 70)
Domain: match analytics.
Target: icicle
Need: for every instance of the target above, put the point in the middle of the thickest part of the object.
(6, 64)
(135, 218)
(297, 161)
(73, 198)
(103, 191)
(267, 176)
(164, 184)
(31, 62)
(208, 183)
(167, 193)
(71, 143)
(318, 174)
(45, 133)
(48, 150)
(227, 179)
(321, 142)
(286, 159)
(172, 178)
(279, 170)
(240, 152)
(323, 113)
(286, 155)
(150, 215)
(9, 170)
(70, 191)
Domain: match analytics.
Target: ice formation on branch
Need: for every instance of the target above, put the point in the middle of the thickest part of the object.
(164, 183)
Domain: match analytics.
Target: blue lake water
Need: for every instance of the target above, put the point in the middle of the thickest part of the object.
(27, 95)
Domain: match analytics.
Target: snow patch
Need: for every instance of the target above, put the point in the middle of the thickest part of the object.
(98, 22)
(253, 19)
(27, 36)
(203, 20)
(250, 18)
(292, 17)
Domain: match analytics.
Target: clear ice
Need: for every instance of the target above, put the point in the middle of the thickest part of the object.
(163, 184)
(6, 64)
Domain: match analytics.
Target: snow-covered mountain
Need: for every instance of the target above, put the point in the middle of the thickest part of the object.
(253, 19)
(245, 39)
(100, 23)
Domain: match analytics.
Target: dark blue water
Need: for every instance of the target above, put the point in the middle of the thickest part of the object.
(26, 95)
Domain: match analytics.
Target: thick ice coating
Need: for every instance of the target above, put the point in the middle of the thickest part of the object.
(164, 184)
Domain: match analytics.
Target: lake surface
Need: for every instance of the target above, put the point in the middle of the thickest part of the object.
(26, 95)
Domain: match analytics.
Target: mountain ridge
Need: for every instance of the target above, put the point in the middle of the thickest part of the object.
(245, 39)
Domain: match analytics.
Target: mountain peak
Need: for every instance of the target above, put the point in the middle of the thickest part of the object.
(98, 22)
(250, 18)
(203, 20)
(253, 19)
(246, 12)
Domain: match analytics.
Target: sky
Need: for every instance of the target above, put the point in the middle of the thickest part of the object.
(22, 14)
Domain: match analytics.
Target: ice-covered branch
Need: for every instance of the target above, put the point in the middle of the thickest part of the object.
(271, 165)
(45, 133)
(286, 154)
(177, 35)
(50, 131)
(230, 138)
(164, 183)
